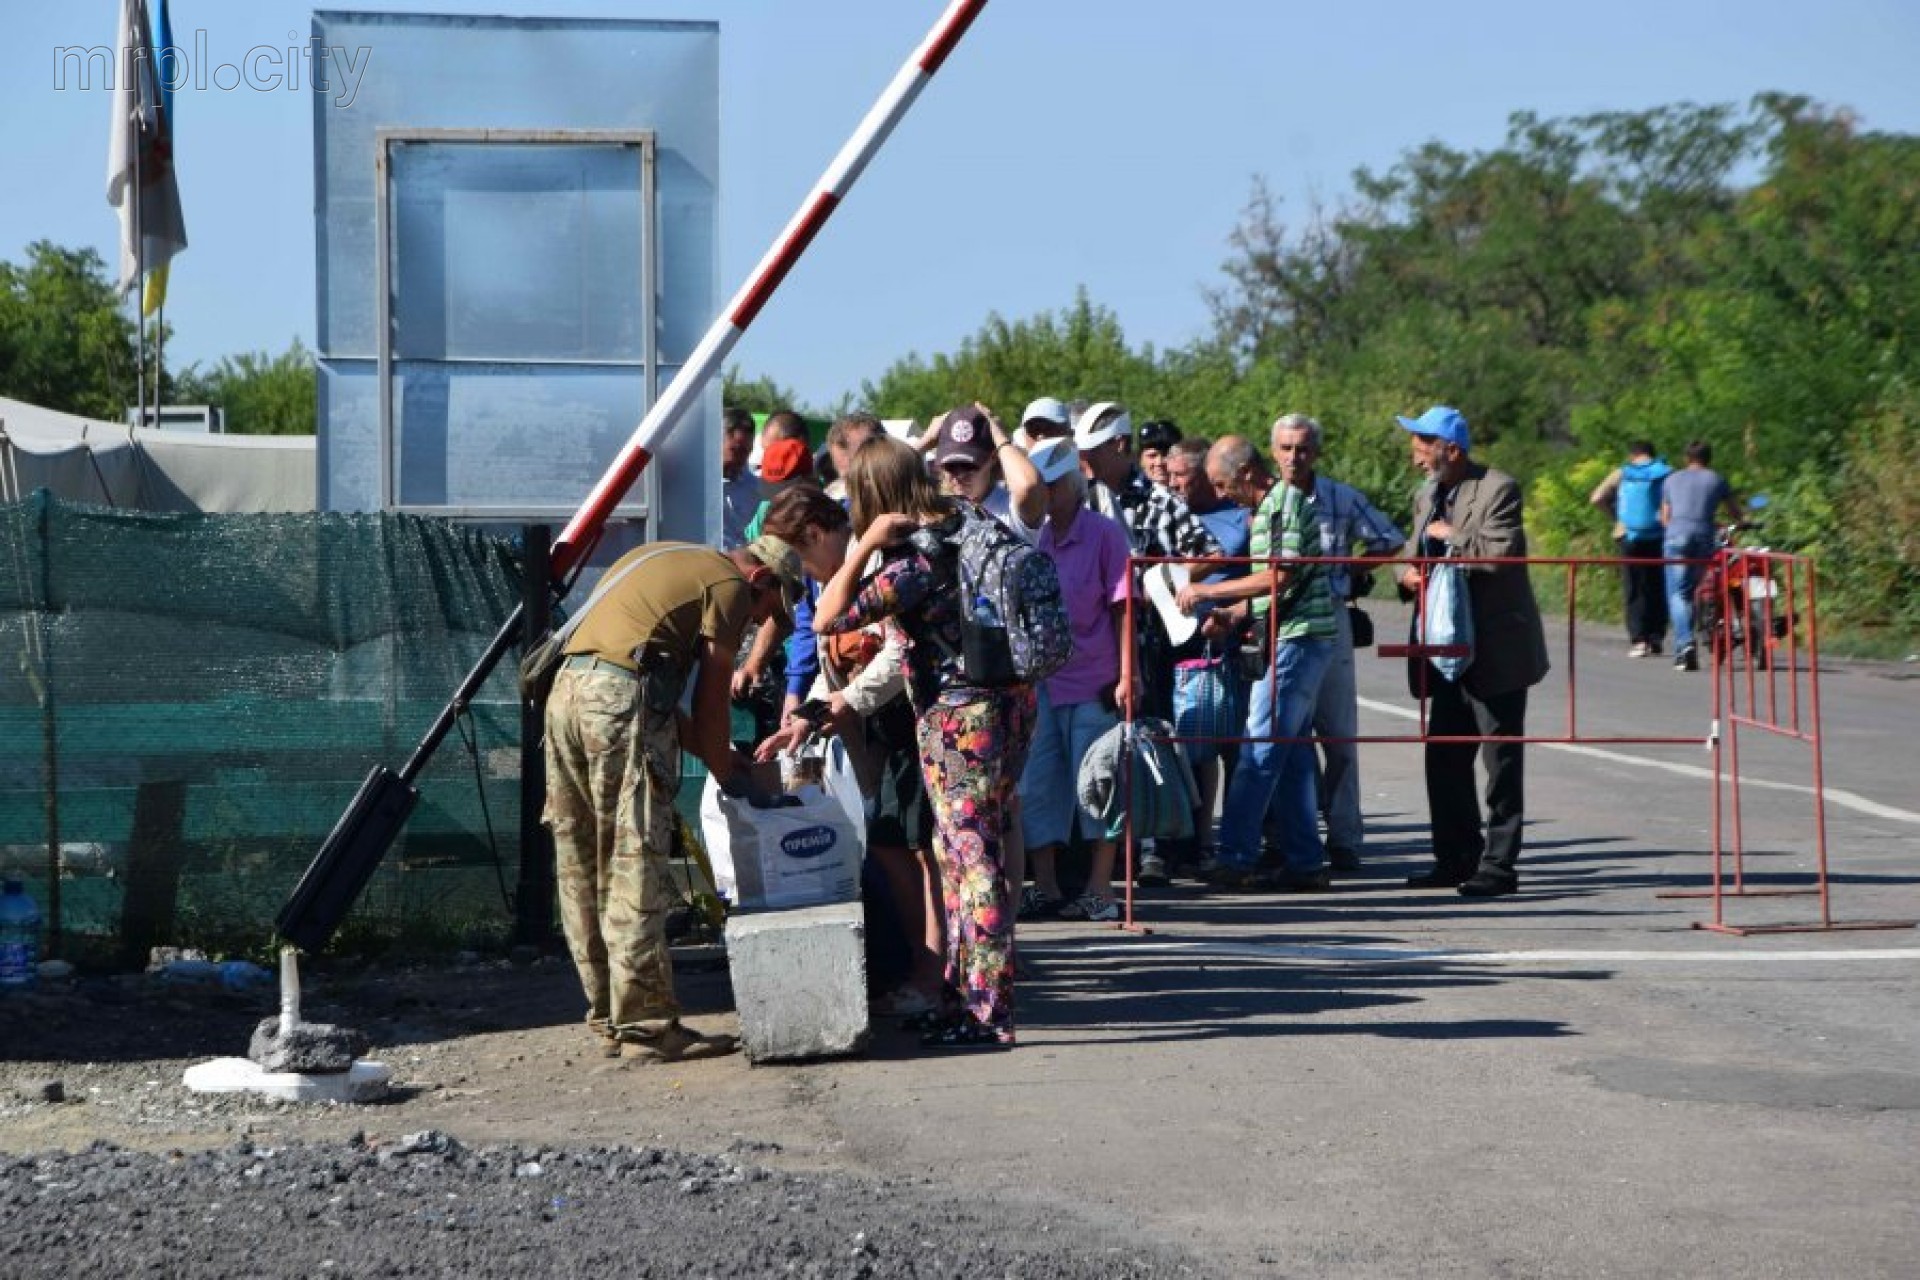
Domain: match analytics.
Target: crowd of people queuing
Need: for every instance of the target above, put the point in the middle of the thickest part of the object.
(832, 605)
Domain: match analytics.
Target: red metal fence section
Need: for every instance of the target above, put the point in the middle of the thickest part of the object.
(1765, 647)
(1764, 651)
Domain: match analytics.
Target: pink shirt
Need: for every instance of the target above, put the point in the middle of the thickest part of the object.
(1092, 563)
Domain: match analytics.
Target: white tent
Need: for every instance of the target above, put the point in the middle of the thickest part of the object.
(140, 469)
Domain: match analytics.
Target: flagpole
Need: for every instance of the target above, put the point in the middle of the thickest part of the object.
(139, 260)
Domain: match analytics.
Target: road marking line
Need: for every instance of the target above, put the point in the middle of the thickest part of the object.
(1404, 955)
(1846, 799)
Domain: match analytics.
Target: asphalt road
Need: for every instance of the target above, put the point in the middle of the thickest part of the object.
(1572, 1081)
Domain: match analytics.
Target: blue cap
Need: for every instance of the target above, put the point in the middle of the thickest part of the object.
(1441, 423)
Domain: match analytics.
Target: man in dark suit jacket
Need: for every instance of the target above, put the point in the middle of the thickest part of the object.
(1470, 510)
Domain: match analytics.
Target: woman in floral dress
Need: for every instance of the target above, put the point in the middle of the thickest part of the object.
(973, 740)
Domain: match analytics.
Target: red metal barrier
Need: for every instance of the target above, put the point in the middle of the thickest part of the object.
(1764, 597)
(1769, 613)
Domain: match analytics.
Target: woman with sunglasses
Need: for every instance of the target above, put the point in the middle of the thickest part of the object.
(972, 453)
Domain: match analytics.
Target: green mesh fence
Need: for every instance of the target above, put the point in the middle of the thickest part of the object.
(188, 702)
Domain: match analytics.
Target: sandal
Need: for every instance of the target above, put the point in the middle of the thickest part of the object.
(929, 1020)
(967, 1034)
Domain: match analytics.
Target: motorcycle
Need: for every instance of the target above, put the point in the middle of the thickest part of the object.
(1738, 601)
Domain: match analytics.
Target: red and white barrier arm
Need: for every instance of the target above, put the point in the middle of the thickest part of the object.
(584, 529)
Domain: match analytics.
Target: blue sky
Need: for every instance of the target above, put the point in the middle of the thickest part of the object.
(1100, 143)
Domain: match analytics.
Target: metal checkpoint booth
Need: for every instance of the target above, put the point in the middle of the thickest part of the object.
(516, 248)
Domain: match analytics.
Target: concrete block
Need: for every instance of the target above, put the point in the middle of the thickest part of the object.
(800, 981)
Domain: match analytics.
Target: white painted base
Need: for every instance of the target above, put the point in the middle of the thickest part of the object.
(364, 1082)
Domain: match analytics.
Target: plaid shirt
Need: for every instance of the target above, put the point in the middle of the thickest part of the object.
(1157, 521)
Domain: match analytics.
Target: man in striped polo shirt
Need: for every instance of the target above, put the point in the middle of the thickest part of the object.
(1293, 606)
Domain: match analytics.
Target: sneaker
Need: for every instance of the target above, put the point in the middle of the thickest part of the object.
(1035, 905)
(1687, 659)
(1641, 649)
(1091, 906)
(1153, 872)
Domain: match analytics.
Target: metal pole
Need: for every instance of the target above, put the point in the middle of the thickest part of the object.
(534, 898)
(289, 990)
(49, 726)
(139, 273)
(1819, 765)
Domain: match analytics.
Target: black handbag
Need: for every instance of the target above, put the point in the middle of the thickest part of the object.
(1362, 625)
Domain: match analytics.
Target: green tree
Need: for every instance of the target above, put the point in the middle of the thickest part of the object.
(260, 394)
(1473, 276)
(757, 395)
(1749, 276)
(65, 341)
(1079, 352)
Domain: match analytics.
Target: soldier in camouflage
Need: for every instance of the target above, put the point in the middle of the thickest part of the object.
(614, 732)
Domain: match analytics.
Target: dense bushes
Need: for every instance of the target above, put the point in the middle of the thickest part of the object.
(1589, 282)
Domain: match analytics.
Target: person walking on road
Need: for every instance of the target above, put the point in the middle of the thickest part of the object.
(1632, 493)
(1689, 500)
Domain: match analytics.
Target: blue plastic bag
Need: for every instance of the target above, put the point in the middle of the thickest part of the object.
(1208, 704)
(1448, 617)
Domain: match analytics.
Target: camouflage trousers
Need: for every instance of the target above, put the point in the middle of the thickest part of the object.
(611, 770)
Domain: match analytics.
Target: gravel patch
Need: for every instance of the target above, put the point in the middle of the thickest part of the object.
(426, 1204)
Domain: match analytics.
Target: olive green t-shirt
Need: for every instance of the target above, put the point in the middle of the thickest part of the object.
(686, 593)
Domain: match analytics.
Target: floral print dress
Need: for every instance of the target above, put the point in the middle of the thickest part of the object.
(973, 746)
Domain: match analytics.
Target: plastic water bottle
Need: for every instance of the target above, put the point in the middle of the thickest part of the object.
(984, 614)
(19, 936)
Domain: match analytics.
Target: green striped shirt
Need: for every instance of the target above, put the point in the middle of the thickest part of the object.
(1292, 516)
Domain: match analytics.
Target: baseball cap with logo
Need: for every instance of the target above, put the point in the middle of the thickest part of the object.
(778, 555)
(1091, 432)
(1441, 423)
(964, 438)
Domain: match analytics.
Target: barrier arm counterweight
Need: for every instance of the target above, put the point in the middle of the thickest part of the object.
(346, 860)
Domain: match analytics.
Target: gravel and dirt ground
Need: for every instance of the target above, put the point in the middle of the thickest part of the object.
(644, 1167)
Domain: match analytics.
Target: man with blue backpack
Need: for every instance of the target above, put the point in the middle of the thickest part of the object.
(1632, 492)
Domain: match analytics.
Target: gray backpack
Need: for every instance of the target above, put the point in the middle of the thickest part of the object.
(1014, 618)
